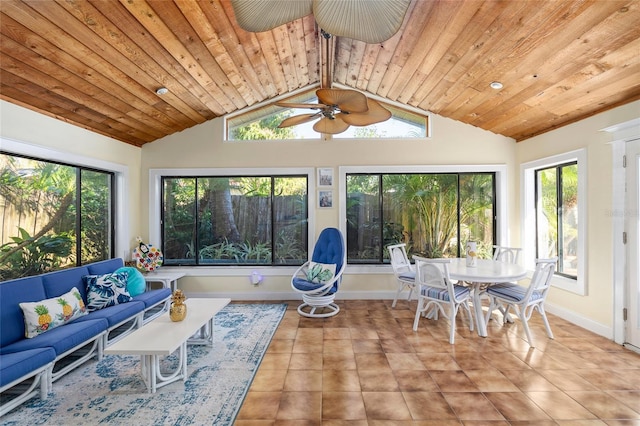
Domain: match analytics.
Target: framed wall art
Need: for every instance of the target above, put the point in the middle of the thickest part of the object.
(325, 199)
(325, 178)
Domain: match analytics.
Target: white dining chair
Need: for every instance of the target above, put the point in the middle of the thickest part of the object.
(523, 299)
(437, 293)
(402, 269)
(506, 254)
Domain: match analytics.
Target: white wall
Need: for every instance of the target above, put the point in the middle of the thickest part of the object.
(25, 132)
(595, 309)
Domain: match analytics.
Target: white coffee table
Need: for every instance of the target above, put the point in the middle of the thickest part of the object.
(162, 337)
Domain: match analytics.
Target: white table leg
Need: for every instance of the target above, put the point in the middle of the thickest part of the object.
(477, 307)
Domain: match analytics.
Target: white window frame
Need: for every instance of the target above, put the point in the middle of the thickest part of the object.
(500, 170)
(155, 211)
(121, 220)
(528, 220)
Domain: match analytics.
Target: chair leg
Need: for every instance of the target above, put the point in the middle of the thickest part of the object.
(411, 287)
(418, 312)
(452, 320)
(543, 314)
(525, 324)
(468, 309)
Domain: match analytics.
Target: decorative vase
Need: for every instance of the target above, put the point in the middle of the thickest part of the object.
(178, 310)
(472, 254)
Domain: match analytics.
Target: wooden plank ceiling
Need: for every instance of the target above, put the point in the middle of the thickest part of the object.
(98, 63)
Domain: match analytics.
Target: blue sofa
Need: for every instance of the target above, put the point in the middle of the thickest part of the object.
(29, 366)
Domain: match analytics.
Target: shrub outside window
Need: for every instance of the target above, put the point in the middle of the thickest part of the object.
(54, 216)
(434, 213)
(235, 220)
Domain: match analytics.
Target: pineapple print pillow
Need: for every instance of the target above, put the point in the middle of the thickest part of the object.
(106, 290)
(320, 272)
(50, 313)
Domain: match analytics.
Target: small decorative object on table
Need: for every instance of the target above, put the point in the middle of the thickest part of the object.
(148, 257)
(472, 253)
(178, 310)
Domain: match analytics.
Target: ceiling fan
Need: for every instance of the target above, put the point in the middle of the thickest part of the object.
(337, 110)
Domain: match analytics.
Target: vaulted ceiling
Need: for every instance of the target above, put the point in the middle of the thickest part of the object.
(98, 63)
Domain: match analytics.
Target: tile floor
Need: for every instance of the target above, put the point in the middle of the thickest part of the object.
(366, 366)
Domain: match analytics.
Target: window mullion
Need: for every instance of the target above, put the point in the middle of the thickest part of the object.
(559, 213)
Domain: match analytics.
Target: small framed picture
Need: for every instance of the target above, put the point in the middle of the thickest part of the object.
(325, 178)
(325, 199)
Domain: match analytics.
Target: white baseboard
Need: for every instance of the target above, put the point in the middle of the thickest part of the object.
(579, 320)
(573, 317)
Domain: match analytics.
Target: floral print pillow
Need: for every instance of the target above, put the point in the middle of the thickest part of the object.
(320, 272)
(106, 290)
(50, 313)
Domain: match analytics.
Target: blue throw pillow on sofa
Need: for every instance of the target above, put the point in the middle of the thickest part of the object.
(135, 280)
(106, 290)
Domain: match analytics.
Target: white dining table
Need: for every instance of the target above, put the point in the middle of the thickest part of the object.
(486, 271)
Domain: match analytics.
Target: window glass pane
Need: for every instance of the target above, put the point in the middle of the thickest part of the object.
(262, 123)
(363, 218)
(235, 220)
(179, 221)
(476, 212)
(422, 210)
(42, 216)
(569, 261)
(290, 220)
(547, 217)
(95, 222)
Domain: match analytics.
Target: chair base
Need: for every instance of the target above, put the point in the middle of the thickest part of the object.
(334, 309)
(318, 303)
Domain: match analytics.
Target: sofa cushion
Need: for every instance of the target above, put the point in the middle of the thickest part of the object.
(153, 297)
(29, 289)
(61, 339)
(60, 282)
(115, 314)
(106, 290)
(136, 283)
(19, 364)
(45, 315)
(105, 266)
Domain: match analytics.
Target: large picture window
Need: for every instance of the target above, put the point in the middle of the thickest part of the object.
(54, 215)
(557, 216)
(235, 220)
(434, 213)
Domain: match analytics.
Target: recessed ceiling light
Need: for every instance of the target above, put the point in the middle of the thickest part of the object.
(496, 85)
(162, 91)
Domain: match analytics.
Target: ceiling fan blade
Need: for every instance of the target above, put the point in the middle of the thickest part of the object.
(376, 114)
(330, 126)
(295, 105)
(347, 100)
(263, 15)
(368, 21)
(298, 119)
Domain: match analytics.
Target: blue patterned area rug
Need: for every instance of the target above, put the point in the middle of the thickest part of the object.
(112, 391)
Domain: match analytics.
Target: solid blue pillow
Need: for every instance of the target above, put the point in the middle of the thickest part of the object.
(135, 280)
